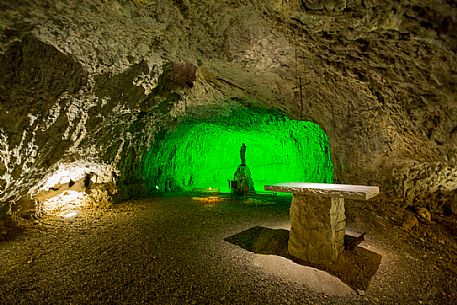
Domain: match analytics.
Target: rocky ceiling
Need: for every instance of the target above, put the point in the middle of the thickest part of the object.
(97, 82)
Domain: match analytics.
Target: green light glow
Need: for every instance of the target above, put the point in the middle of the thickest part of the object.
(202, 154)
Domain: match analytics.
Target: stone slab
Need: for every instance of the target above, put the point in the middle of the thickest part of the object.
(357, 192)
(317, 228)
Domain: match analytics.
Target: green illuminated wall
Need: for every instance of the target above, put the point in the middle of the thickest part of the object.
(201, 154)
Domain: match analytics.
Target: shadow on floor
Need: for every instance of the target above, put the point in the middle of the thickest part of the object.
(355, 265)
(9, 229)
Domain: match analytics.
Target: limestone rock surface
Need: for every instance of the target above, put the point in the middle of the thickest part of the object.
(318, 226)
(102, 80)
(356, 192)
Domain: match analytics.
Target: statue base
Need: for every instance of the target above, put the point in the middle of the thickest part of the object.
(244, 183)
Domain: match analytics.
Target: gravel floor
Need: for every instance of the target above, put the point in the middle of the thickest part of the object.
(172, 251)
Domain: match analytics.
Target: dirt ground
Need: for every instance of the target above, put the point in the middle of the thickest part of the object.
(355, 266)
(171, 250)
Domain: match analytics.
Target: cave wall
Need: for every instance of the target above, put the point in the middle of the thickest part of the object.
(204, 152)
(103, 80)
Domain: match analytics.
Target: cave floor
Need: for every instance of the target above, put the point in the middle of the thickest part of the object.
(171, 250)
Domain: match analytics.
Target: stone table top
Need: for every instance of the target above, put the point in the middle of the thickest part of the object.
(358, 192)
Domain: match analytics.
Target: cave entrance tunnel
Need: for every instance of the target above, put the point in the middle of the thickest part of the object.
(206, 153)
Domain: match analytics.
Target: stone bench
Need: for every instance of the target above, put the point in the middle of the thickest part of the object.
(317, 218)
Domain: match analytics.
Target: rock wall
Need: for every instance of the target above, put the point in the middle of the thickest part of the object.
(102, 80)
(203, 152)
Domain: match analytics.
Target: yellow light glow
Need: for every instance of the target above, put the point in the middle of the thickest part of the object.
(76, 171)
(70, 214)
(66, 201)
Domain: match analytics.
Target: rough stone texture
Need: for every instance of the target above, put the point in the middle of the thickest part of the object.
(95, 195)
(357, 192)
(454, 203)
(203, 153)
(35, 102)
(430, 185)
(101, 80)
(243, 178)
(318, 225)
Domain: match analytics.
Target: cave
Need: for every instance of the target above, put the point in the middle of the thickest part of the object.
(204, 154)
(126, 127)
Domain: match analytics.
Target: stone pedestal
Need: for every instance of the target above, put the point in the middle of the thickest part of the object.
(244, 183)
(317, 218)
(317, 228)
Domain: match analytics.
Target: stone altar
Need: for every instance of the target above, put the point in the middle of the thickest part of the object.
(317, 217)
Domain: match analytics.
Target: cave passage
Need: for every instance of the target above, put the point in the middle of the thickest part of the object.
(206, 153)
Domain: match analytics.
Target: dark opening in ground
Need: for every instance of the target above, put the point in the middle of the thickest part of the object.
(355, 265)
